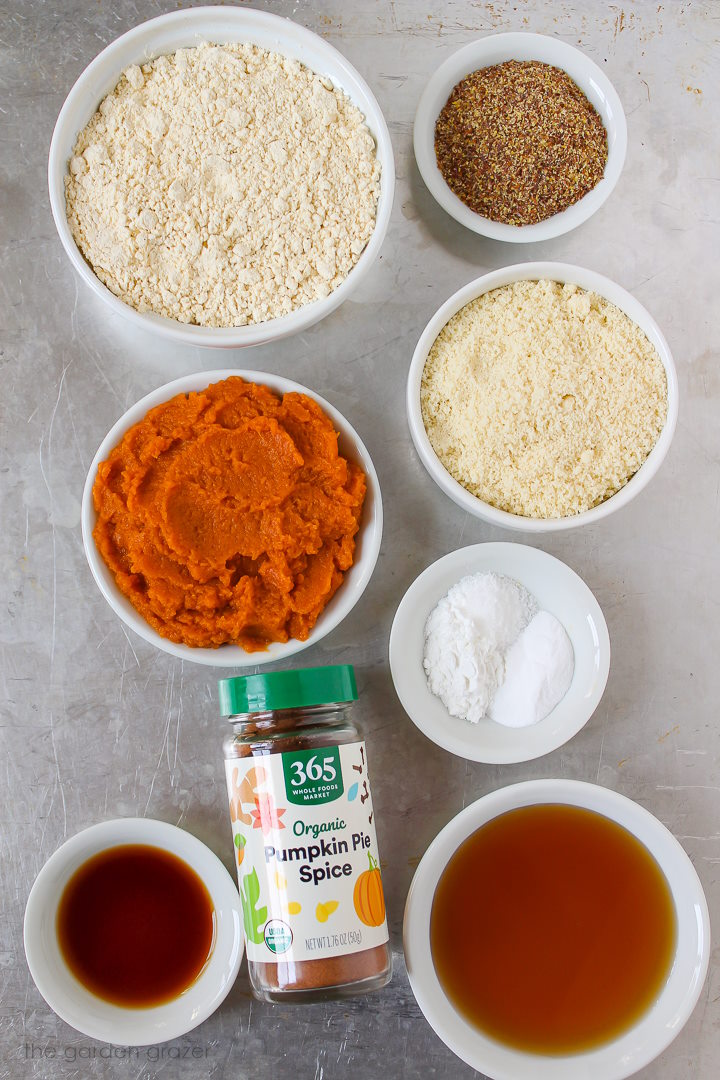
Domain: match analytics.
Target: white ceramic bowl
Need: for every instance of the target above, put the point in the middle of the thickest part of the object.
(563, 272)
(559, 590)
(657, 1027)
(99, 1019)
(356, 579)
(185, 29)
(496, 49)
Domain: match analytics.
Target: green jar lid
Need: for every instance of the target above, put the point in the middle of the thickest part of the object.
(287, 689)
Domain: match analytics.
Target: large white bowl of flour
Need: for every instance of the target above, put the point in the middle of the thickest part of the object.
(557, 590)
(221, 26)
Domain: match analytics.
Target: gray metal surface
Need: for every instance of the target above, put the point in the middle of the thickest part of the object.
(95, 723)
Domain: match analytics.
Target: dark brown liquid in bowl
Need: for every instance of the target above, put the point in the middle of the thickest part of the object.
(136, 925)
(552, 929)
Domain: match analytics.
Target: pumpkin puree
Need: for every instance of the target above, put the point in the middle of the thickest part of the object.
(228, 516)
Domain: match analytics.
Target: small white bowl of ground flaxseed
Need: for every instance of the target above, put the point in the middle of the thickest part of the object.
(542, 396)
(520, 137)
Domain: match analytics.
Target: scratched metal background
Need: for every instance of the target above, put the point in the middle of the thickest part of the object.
(95, 723)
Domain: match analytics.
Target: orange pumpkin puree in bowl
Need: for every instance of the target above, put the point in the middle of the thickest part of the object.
(228, 516)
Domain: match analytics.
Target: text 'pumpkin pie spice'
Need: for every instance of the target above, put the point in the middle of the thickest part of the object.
(304, 835)
(228, 515)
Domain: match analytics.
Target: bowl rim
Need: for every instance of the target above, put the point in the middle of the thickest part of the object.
(563, 273)
(369, 534)
(659, 1025)
(493, 49)
(398, 650)
(92, 1015)
(193, 19)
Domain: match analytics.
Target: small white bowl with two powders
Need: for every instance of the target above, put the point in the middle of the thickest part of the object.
(499, 653)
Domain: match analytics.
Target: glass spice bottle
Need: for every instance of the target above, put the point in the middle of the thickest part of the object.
(304, 835)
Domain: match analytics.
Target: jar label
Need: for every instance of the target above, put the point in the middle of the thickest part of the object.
(313, 776)
(306, 849)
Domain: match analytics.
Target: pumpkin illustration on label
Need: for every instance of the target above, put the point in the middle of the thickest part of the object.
(368, 895)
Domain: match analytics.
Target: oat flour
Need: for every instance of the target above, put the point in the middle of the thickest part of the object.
(223, 185)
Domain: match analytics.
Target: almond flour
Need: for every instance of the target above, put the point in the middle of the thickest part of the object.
(543, 399)
(223, 185)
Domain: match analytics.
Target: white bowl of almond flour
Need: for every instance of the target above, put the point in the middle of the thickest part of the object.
(541, 397)
(221, 176)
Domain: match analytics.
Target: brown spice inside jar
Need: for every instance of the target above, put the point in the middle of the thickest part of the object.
(519, 142)
(331, 971)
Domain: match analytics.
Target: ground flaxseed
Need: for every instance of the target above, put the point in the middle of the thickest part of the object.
(519, 142)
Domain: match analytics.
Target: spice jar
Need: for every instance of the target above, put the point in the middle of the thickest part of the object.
(304, 834)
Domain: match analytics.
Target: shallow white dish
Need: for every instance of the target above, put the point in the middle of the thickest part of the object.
(496, 49)
(99, 1019)
(185, 29)
(560, 591)
(563, 272)
(367, 539)
(659, 1025)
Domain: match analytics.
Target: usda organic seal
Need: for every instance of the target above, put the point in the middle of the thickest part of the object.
(278, 936)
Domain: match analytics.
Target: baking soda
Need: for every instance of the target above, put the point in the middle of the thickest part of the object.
(538, 671)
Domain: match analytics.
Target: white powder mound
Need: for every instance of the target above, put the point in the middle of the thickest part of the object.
(466, 636)
(539, 668)
(223, 185)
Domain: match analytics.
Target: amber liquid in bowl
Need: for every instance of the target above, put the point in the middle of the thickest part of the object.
(136, 925)
(553, 929)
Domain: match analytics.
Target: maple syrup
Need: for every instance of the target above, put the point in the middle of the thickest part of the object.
(553, 929)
